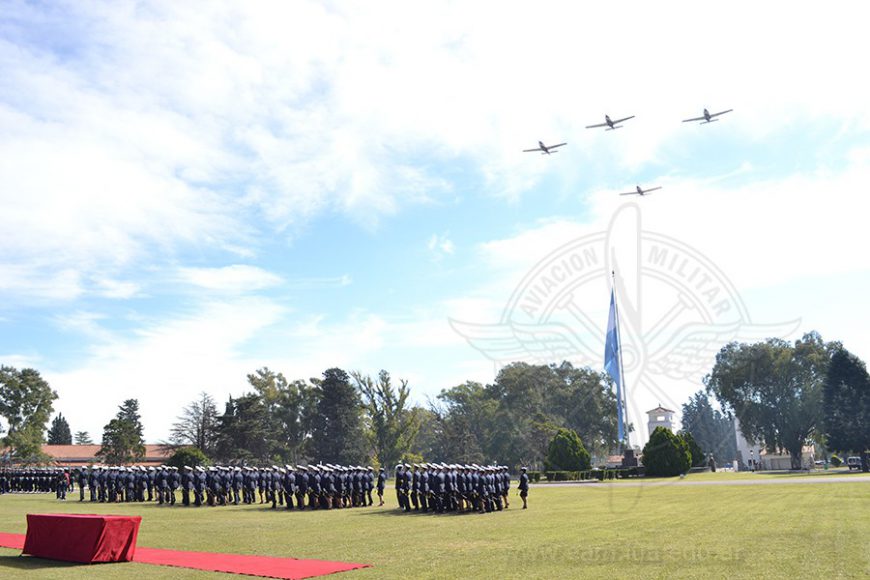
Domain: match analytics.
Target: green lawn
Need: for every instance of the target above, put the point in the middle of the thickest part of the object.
(750, 475)
(657, 531)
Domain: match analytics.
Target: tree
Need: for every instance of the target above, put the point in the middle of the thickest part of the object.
(197, 425)
(513, 420)
(665, 454)
(59, 434)
(774, 389)
(122, 436)
(713, 431)
(694, 449)
(243, 432)
(83, 438)
(26, 404)
(290, 409)
(566, 453)
(847, 405)
(337, 434)
(188, 456)
(392, 425)
(464, 418)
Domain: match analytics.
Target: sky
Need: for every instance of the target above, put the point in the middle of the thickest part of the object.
(195, 190)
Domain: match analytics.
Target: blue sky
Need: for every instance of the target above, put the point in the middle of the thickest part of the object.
(192, 191)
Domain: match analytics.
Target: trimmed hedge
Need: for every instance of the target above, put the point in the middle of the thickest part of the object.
(586, 475)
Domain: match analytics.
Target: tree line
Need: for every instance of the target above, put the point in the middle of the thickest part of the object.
(785, 396)
(356, 418)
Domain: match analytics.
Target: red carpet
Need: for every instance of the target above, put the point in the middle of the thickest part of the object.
(269, 567)
(14, 541)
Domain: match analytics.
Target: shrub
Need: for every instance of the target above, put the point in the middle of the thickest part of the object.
(694, 449)
(566, 452)
(665, 454)
(191, 456)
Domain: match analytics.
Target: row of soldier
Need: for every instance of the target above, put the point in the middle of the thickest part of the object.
(427, 487)
(314, 486)
(34, 480)
(440, 487)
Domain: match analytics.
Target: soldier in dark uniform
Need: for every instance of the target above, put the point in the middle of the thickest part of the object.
(60, 485)
(82, 476)
(149, 483)
(414, 488)
(174, 480)
(423, 487)
(161, 484)
(132, 484)
(523, 486)
(264, 481)
(198, 485)
(327, 488)
(237, 485)
(370, 484)
(101, 484)
(313, 486)
(400, 485)
(381, 484)
(301, 476)
(186, 485)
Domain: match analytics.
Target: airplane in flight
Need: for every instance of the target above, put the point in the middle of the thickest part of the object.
(640, 191)
(544, 149)
(609, 123)
(707, 117)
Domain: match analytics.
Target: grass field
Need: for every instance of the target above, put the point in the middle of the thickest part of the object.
(656, 531)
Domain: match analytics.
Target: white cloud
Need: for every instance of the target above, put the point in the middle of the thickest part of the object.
(164, 363)
(235, 278)
(440, 246)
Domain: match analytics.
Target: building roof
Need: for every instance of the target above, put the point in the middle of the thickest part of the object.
(83, 454)
(660, 409)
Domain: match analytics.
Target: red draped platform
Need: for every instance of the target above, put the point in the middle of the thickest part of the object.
(82, 538)
(284, 568)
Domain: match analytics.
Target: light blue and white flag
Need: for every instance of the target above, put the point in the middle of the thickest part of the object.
(612, 357)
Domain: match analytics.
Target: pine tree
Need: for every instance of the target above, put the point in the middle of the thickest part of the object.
(83, 438)
(122, 436)
(59, 434)
(337, 427)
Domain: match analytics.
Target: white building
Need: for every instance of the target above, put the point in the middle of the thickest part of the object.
(745, 449)
(660, 417)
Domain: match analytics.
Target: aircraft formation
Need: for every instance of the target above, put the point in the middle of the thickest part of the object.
(613, 124)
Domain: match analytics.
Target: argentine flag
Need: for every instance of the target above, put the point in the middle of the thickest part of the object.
(612, 361)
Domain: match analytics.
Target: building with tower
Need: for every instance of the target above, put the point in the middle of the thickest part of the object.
(660, 417)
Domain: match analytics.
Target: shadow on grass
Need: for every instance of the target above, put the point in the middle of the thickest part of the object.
(413, 513)
(31, 563)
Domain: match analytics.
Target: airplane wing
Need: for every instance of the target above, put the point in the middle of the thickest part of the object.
(694, 119)
(615, 121)
(557, 145)
(630, 193)
(532, 150)
(652, 189)
(595, 126)
(721, 113)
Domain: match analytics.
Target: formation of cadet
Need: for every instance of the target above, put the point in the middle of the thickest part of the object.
(35, 480)
(303, 486)
(425, 487)
(312, 486)
(440, 488)
(127, 484)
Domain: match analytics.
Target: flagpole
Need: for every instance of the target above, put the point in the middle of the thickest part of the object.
(621, 403)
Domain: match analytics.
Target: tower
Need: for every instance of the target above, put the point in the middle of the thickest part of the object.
(660, 417)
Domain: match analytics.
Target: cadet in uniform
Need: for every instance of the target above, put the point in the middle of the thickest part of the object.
(524, 487)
